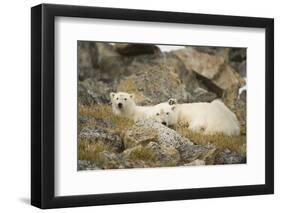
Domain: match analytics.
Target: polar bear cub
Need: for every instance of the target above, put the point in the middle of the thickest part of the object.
(210, 118)
(123, 104)
(166, 115)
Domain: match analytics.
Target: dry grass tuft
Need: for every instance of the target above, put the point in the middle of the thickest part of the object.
(142, 153)
(104, 112)
(233, 143)
(90, 151)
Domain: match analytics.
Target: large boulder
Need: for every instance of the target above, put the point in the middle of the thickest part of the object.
(166, 143)
(213, 70)
(155, 84)
(99, 61)
(146, 131)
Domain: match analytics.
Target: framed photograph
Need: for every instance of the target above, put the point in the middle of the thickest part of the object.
(139, 106)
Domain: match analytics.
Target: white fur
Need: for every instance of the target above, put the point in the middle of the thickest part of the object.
(210, 118)
(129, 108)
(165, 114)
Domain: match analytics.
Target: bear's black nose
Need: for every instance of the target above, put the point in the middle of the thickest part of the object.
(120, 105)
(164, 123)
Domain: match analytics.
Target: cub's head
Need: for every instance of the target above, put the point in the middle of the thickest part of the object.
(121, 100)
(172, 101)
(166, 115)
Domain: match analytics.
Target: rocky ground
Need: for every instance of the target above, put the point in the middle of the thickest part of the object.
(190, 74)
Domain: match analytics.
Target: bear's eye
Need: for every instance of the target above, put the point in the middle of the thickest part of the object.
(125, 99)
(157, 114)
(117, 98)
(167, 113)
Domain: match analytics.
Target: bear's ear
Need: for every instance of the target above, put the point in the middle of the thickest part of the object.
(172, 101)
(132, 96)
(112, 95)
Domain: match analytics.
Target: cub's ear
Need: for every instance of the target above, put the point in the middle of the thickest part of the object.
(112, 95)
(132, 96)
(172, 101)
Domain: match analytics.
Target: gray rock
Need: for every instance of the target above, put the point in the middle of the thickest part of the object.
(86, 165)
(85, 63)
(112, 160)
(155, 85)
(139, 136)
(91, 91)
(166, 156)
(240, 67)
(237, 54)
(190, 153)
(95, 134)
(202, 95)
(146, 131)
(228, 157)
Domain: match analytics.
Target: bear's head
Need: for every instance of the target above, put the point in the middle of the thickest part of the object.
(166, 115)
(122, 101)
(172, 101)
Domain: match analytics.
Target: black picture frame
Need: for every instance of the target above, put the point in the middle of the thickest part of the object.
(43, 105)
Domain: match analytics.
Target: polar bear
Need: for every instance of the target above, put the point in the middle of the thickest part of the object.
(165, 114)
(210, 118)
(123, 104)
